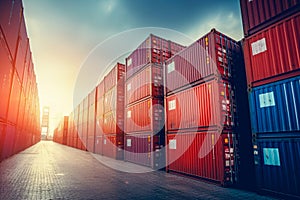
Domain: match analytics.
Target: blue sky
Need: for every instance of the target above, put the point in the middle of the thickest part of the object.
(63, 32)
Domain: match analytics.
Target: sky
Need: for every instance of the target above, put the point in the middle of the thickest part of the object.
(71, 41)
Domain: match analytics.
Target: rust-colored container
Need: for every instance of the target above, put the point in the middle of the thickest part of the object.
(213, 54)
(210, 104)
(116, 75)
(209, 155)
(113, 146)
(91, 120)
(145, 116)
(153, 50)
(147, 82)
(145, 149)
(113, 122)
(257, 14)
(14, 100)
(6, 72)
(274, 53)
(99, 144)
(11, 15)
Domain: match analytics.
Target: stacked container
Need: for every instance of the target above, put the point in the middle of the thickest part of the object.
(19, 109)
(99, 118)
(91, 123)
(144, 112)
(113, 112)
(201, 110)
(272, 58)
(61, 133)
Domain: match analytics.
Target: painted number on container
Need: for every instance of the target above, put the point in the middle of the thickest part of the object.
(271, 156)
(128, 142)
(172, 144)
(171, 67)
(259, 46)
(129, 62)
(172, 105)
(266, 100)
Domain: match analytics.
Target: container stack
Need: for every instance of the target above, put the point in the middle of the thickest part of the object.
(99, 118)
(61, 133)
(144, 112)
(113, 112)
(271, 50)
(19, 107)
(201, 110)
(91, 123)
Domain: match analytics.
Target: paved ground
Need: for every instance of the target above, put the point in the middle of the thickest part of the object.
(52, 171)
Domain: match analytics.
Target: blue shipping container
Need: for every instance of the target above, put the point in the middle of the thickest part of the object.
(278, 165)
(275, 107)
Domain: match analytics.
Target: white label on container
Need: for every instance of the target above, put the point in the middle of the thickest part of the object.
(271, 156)
(172, 144)
(105, 120)
(172, 105)
(129, 86)
(129, 114)
(171, 67)
(128, 142)
(266, 100)
(259, 46)
(104, 141)
(129, 62)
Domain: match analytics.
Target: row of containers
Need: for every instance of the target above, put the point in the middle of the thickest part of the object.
(200, 110)
(19, 105)
(171, 107)
(272, 58)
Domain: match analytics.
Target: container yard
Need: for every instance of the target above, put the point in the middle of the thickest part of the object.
(214, 118)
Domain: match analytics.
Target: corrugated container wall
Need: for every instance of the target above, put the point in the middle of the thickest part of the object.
(275, 107)
(213, 54)
(274, 53)
(258, 14)
(153, 50)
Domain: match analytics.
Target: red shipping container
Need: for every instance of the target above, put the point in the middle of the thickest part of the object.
(14, 99)
(145, 116)
(91, 120)
(114, 77)
(99, 144)
(257, 14)
(146, 83)
(153, 50)
(11, 15)
(209, 155)
(210, 104)
(113, 122)
(6, 72)
(145, 149)
(113, 146)
(274, 53)
(9, 138)
(213, 54)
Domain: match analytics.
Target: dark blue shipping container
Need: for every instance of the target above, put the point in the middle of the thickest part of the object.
(275, 107)
(277, 164)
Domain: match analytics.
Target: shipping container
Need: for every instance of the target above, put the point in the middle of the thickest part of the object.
(11, 15)
(152, 50)
(99, 144)
(212, 55)
(277, 164)
(275, 107)
(145, 116)
(210, 104)
(14, 99)
(273, 53)
(145, 149)
(91, 120)
(148, 82)
(113, 122)
(114, 76)
(9, 138)
(113, 146)
(257, 14)
(209, 155)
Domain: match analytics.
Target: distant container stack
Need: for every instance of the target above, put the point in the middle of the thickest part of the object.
(272, 57)
(19, 109)
(201, 109)
(144, 112)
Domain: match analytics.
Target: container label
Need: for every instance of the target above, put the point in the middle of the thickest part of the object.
(171, 67)
(259, 46)
(172, 105)
(129, 62)
(129, 114)
(129, 86)
(172, 144)
(104, 141)
(266, 100)
(271, 156)
(128, 142)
